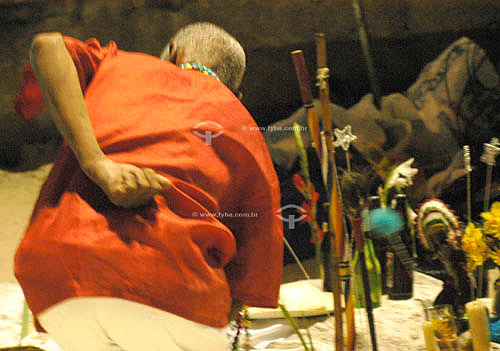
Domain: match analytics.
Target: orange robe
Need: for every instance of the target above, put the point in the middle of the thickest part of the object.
(173, 254)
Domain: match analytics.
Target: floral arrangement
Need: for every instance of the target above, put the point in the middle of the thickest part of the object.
(481, 242)
(462, 249)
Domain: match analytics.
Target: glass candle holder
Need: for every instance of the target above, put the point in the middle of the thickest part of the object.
(444, 327)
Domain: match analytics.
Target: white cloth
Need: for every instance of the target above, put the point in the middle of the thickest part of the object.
(112, 324)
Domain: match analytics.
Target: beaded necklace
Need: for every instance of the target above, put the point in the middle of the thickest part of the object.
(198, 67)
(241, 326)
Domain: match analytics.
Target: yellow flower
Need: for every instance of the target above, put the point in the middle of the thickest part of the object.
(474, 245)
(495, 256)
(491, 225)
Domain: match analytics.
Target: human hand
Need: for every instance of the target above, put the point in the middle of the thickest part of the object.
(124, 184)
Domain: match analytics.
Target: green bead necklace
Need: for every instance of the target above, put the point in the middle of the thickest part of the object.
(198, 67)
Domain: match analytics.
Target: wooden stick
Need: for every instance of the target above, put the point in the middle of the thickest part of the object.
(337, 290)
(365, 46)
(336, 221)
(314, 128)
(324, 90)
(307, 99)
(360, 246)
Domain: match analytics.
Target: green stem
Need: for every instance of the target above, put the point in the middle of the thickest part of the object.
(317, 244)
(25, 321)
(294, 326)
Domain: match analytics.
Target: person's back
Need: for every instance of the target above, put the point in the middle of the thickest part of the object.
(199, 243)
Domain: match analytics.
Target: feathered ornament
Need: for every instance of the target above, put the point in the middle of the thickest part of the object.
(439, 230)
(399, 177)
(435, 218)
(387, 223)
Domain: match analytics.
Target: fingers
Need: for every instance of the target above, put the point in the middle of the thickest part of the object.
(139, 186)
(152, 179)
(164, 182)
(155, 182)
(132, 180)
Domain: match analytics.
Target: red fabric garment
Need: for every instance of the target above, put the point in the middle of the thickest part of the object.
(28, 102)
(173, 254)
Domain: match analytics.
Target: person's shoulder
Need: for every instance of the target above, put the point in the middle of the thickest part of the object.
(229, 105)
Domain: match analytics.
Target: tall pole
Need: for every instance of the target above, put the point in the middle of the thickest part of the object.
(359, 16)
(336, 221)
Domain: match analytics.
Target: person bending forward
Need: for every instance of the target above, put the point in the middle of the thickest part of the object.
(160, 210)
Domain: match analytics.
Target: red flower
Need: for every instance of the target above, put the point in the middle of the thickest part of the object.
(301, 186)
(313, 197)
(299, 183)
(312, 240)
(308, 208)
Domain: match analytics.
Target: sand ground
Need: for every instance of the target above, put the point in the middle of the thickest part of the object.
(18, 193)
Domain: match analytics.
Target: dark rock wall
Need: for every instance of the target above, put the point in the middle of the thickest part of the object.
(405, 34)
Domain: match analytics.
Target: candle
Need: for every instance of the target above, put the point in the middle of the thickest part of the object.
(443, 327)
(479, 328)
(430, 339)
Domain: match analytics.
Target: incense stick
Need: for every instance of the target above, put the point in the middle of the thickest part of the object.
(468, 169)
(296, 258)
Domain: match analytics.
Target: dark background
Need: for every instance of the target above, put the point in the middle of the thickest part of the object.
(406, 34)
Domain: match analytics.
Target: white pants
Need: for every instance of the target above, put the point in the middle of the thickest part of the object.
(112, 324)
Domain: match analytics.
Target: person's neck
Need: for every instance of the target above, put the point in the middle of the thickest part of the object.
(198, 67)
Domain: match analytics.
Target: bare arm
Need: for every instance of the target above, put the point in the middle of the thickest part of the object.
(58, 79)
(124, 184)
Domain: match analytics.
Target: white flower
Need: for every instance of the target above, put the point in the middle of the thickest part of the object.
(402, 176)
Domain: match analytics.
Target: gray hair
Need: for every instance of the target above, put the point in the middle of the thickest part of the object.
(209, 45)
